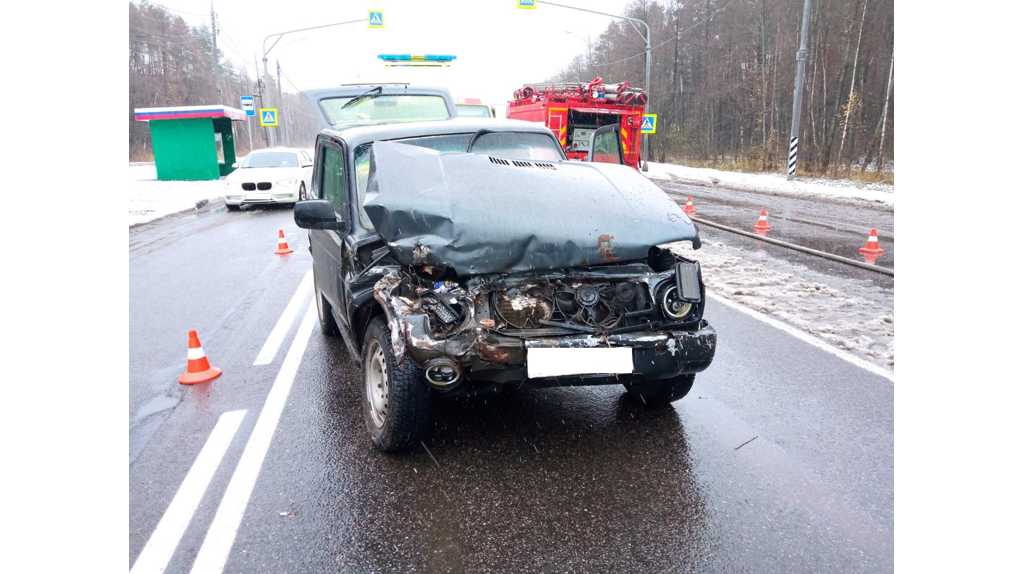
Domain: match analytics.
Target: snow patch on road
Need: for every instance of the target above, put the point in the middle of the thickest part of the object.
(853, 315)
(776, 183)
(150, 199)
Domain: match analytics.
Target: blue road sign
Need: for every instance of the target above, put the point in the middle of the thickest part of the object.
(375, 18)
(650, 124)
(248, 105)
(268, 117)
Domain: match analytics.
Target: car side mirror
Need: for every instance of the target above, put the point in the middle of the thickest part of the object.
(234, 165)
(316, 214)
(307, 165)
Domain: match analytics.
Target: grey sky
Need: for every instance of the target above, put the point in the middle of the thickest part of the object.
(499, 47)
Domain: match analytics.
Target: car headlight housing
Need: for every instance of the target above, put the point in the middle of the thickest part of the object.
(288, 182)
(674, 307)
(228, 184)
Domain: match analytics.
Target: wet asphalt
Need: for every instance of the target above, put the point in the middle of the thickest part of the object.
(838, 226)
(554, 480)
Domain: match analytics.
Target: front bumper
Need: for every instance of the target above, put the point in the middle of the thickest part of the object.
(271, 197)
(500, 360)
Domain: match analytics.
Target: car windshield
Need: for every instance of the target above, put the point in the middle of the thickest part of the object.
(517, 145)
(511, 145)
(271, 159)
(385, 109)
(472, 111)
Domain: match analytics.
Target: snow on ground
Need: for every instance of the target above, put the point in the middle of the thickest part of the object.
(150, 199)
(853, 315)
(776, 183)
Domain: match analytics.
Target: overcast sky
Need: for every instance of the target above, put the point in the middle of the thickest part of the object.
(499, 47)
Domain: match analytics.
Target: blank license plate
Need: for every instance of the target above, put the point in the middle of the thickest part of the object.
(551, 362)
(257, 196)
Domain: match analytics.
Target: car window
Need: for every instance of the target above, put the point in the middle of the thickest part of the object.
(305, 157)
(385, 109)
(332, 184)
(271, 159)
(606, 147)
(513, 145)
(468, 111)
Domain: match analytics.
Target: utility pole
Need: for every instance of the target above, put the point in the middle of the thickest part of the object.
(216, 56)
(272, 133)
(280, 104)
(798, 92)
(259, 93)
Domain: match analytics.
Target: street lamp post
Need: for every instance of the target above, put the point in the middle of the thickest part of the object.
(647, 49)
(266, 50)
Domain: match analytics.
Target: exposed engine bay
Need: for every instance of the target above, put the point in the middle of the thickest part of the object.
(488, 323)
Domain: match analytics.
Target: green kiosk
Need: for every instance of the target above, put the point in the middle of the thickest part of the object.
(192, 142)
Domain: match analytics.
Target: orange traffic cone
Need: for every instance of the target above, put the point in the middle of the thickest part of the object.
(282, 245)
(199, 369)
(871, 247)
(689, 210)
(762, 222)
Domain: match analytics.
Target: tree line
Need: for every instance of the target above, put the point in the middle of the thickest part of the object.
(173, 64)
(722, 81)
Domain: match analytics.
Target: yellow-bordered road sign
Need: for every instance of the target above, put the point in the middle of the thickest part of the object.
(375, 18)
(530, 4)
(649, 124)
(268, 117)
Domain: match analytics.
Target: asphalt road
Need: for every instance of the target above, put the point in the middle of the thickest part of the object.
(837, 226)
(577, 479)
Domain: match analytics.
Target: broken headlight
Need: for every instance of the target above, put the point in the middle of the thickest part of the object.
(673, 305)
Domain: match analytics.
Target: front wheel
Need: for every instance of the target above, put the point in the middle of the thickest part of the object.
(658, 393)
(302, 191)
(396, 402)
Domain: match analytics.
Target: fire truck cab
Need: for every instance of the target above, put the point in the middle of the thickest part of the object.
(574, 111)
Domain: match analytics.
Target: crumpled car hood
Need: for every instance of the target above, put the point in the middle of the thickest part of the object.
(478, 215)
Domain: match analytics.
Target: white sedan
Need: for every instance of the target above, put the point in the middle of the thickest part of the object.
(269, 176)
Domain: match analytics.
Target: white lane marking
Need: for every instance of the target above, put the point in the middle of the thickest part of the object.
(158, 550)
(807, 338)
(214, 553)
(276, 337)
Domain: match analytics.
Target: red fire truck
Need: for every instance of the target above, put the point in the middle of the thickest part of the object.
(575, 110)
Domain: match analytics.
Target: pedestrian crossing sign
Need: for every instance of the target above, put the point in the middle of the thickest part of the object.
(650, 124)
(528, 4)
(268, 117)
(375, 18)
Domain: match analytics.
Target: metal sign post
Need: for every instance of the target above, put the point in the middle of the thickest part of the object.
(248, 104)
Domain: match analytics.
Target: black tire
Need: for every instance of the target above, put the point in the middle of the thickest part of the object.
(233, 207)
(660, 393)
(302, 191)
(323, 310)
(408, 400)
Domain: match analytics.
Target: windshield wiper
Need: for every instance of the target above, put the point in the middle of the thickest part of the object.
(362, 96)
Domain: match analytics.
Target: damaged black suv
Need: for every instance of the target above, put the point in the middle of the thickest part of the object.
(464, 256)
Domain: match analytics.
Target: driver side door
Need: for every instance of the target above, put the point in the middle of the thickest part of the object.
(326, 245)
(605, 146)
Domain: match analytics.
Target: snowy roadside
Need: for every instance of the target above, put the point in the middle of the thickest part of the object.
(853, 315)
(776, 183)
(150, 199)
